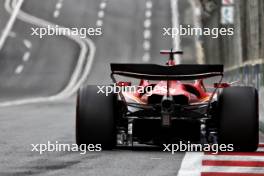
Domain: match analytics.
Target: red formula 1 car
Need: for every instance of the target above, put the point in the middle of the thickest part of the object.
(170, 103)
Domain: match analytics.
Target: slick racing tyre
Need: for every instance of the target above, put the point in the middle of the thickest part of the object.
(95, 123)
(238, 118)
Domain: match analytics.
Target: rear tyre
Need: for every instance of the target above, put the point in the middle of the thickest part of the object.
(238, 118)
(95, 122)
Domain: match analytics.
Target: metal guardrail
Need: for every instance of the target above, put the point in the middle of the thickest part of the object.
(250, 75)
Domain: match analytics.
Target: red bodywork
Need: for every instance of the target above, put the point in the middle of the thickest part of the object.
(199, 94)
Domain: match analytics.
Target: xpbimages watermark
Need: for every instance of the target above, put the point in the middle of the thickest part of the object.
(59, 147)
(58, 31)
(107, 90)
(190, 147)
(197, 31)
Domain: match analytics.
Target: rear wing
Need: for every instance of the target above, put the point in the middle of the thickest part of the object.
(159, 72)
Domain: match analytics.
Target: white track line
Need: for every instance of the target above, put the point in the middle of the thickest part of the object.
(78, 77)
(147, 23)
(26, 56)
(102, 5)
(101, 14)
(233, 158)
(146, 45)
(27, 43)
(147, 31)
(56, 13)
(14, 2)
(19, 69)
(8, 7)
(175, 24)
(191, 164)
(10, 23)
(148, 13)
(58, 7)
(228, 169)
(99, 23)
(147, 34)
(156, 158)
(148, 4)
(88, 65)
(196, 8)
(40, 22)
(146, 57)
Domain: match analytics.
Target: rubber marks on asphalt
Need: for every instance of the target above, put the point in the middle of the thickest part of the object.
(224, 164)
(147, 31)
(58, 7)
(101, 13)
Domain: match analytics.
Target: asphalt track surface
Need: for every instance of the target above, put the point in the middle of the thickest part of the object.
(47, 70)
